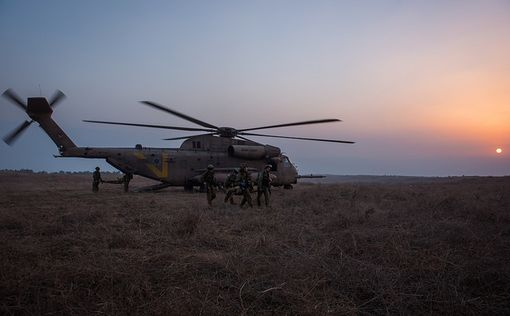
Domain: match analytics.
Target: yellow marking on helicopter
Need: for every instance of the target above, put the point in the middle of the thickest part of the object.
(163, 173)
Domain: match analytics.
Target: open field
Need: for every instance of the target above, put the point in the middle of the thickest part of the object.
(350, 248)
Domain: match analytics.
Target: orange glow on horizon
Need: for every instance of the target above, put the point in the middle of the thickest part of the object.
(469, 109)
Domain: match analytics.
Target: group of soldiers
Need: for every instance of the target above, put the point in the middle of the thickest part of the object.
(238, 182)
(96, 180)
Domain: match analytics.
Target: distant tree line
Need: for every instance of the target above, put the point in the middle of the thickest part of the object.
(30, 171)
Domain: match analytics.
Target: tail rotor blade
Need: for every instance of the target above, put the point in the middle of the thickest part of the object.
(10, 138)
(57, 97)
(11, 95)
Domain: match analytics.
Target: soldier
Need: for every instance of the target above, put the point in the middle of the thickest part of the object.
(125, 180)
(96, 179)
(210, 184)
(264, 185)
(245, 185)
(231, 186)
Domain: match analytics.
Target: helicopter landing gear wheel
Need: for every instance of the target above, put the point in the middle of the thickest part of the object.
(288, 186)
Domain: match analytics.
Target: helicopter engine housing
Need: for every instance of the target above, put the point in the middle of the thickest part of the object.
(253, 152)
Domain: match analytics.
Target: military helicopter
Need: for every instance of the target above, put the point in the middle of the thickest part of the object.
(224, 147)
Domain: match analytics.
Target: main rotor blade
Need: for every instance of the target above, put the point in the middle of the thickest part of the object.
(291, 124)
(302, 138)
(244, 138)
(186, 137)
(183, 116)
(153, 126)
(57, 97)
(11, 95)
(10, 138)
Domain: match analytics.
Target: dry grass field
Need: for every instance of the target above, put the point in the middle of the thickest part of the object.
(342, 249)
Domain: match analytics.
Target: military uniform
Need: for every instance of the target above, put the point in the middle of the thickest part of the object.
(264, 185)
(245, 186)
(210, 184)
(96, 179)
(231, 186)
(125, 180)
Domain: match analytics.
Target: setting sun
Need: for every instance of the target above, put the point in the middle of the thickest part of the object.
(499, 150)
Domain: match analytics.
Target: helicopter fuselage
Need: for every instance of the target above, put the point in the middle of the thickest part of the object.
(183, 166)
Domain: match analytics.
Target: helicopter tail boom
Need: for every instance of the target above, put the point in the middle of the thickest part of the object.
(56, 133)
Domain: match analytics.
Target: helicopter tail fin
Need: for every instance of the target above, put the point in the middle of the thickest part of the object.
(40, 110)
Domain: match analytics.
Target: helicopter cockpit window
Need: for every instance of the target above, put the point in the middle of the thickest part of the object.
(196, 144)
(286, 162)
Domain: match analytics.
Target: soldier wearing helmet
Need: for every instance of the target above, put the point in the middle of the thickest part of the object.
(126, 179)
(264, 185)
(245, 185)
(96, 179)
(210, 184)
(231, 186)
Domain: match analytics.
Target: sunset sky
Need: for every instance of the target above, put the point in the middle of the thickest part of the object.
(423, 87)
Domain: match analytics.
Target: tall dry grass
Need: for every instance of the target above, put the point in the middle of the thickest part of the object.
(424, 248)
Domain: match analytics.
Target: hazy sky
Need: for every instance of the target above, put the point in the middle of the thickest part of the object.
(423, 87)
